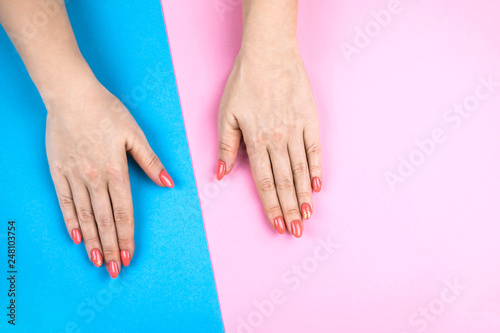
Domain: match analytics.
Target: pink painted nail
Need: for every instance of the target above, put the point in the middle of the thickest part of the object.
(316, 184)
(76, 236)
(221, 169)
(96, 256)
(279, 224)
(297, 228)
(306, 211)
(165, 179)
(125, 255)
(113, 269)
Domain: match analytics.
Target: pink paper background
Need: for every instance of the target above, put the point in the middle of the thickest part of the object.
(396, 250)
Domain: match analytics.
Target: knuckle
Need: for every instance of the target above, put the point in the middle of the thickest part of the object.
(266, 185)
(58, 167)
(274, 210)
(224, 147)
(299, 169)
(292, 212)
(109, 252)
(303, 194)
(126, 242)
(314, 149)
(277, 135)
(291, 126)
(66, 201)
(277, 139)
(85, 215)
(255, 142)
(105, 224)
(91, 239)
(92, 175)
(114, 172)
(152, 160)
(71, 221)
(251, 149)
(285, 184)
(315, 169)
(123, 217)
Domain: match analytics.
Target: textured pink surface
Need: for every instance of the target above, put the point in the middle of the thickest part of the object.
(399, 252)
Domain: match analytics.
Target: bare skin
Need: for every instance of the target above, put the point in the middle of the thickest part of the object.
(268, 101)
(89, 132)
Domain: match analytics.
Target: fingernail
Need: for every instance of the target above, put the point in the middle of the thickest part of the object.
(125, 257)
(221, 169)
(113, 269)
(165, 179)
(96, 257)
(306, 211)
(316, 184)
(297, 229)
(76, 236)
(279, 224)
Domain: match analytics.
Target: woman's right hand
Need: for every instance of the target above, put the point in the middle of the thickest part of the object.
(268, 102)
(89, 132)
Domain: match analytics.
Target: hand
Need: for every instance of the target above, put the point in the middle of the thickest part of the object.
(269, 101)
(89, 132)
(88, 135)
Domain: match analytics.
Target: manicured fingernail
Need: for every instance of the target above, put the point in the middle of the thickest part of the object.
(113, 269)
(96, 256)
(316, 184)
(279, 224)
(76, 236)
(125, 257)
(165, 179)
(221, 169)
(297, 228)
(306, 211)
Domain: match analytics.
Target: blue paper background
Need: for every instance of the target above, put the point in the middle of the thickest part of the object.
(169, 286)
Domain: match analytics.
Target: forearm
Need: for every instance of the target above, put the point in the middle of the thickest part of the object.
(50, 51)
(269, 27)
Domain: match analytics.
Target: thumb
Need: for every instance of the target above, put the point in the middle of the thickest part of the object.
(142, 153)
(229, 142)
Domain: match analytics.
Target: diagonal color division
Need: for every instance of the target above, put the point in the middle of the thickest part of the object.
(169, 286)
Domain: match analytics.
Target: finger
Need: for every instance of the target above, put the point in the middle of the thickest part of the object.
(101, 205)
(285, 186)
(264, 180)
(148, 161)
(68, 209)
(301, 177)
(229, 142)
(123, 212)
(87, 222)
(313, 151)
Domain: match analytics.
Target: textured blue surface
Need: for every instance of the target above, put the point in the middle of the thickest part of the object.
(169, 286)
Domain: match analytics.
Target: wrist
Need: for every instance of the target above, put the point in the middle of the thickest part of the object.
(269, 28)
(270, 24)
(269, 49)
(68, 82)
(267, 58)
